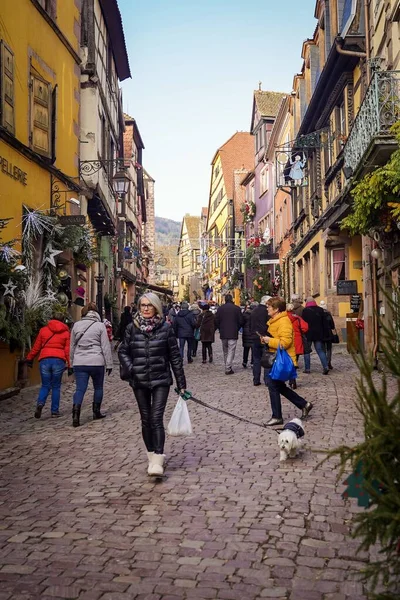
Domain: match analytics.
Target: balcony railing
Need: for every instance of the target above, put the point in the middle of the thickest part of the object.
(378, 112)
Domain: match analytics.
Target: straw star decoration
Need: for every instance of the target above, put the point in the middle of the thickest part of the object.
(51, 254)
(9, 288)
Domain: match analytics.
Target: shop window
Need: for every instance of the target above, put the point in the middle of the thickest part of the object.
(7, 107)
(338, 265)
(41, 116)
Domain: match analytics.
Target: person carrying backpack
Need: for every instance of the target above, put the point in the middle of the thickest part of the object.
(184, 325)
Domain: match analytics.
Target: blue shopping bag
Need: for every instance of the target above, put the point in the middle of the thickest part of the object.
(283, 367)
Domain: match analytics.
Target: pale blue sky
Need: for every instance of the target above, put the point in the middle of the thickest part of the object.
(195, 64)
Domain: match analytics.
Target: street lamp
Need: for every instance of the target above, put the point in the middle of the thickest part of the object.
(121, 181)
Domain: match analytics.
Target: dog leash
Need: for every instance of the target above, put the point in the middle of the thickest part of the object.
(189, 396)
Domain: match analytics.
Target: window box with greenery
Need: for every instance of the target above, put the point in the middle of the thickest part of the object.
(376, 198)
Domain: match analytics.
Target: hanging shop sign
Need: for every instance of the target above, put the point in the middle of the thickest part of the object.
(13, 171)
(66, 220)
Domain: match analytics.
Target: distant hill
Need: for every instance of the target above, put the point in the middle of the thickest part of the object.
(167, 232)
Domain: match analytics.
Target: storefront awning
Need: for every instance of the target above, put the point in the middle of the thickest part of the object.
(99, 216)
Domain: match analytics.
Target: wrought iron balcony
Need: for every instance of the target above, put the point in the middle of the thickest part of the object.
(370, 141)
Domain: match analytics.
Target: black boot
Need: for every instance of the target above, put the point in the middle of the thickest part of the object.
(210, 359)
(76, 413)
(96, 412)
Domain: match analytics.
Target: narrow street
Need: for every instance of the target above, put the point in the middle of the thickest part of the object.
(79, 517)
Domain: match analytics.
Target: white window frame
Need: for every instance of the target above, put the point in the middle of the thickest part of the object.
(264, 180)
(332, 284)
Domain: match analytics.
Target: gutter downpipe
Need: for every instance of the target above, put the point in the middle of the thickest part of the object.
(373, 244)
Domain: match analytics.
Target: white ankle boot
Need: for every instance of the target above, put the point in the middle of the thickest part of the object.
(150, 456)
(157, 465)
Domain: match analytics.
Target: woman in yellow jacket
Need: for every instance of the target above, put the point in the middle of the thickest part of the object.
(281, 334)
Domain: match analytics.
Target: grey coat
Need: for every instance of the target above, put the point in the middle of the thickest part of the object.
(90, 346)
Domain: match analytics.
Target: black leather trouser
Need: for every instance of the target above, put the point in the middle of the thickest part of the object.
(152, 405)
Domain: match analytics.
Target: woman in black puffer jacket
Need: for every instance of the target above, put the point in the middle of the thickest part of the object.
(146, 355)
(248, 338)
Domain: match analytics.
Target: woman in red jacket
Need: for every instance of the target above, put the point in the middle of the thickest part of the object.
(300, 328)
(52, 345)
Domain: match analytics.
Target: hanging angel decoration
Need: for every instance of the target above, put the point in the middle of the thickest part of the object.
(297, 169)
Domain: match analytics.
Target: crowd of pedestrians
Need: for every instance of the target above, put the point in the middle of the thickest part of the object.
(154, 341)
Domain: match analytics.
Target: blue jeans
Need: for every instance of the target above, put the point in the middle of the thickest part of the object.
(319, 349)
(82, 375)
(182, 342)
(257, 352)
(51, 371)
(277, 388)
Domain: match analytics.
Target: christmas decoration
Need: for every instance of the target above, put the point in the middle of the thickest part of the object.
(277, 280)
(356, 487)
(8, 254)
(35, 223)
(50, 296)
(50, 254)
(9, 288)
(375, 480)
(248, 210)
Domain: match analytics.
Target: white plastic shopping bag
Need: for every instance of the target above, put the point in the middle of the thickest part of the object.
(180, 421)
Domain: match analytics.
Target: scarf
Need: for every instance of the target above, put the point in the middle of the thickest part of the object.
(147, 325)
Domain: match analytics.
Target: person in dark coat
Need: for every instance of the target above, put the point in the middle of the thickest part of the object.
(330, 329)
(184, 325)
(316, 334)
(206, 323)
(248, 338)
(147, 354)
(229, 320)
(126, 318)
(195, 309)
(258, 325)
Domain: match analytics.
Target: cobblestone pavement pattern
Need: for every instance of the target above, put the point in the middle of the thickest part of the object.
(81, 519)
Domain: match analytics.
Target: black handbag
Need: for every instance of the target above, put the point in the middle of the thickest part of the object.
(267, 358)
(335, 337)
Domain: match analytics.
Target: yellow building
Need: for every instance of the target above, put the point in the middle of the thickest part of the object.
(189, 258)
(39, 128)
(326, 260)
(236, 154)
(369, 145)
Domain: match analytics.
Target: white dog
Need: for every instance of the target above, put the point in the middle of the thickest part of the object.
(289, 439)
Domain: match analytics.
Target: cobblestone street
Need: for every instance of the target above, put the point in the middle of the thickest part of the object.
(81, 519)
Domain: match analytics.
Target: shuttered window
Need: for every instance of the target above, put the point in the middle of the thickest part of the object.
(41, 116)
(7, 107)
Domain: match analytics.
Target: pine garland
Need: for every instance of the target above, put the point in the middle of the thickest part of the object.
(379, 458)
